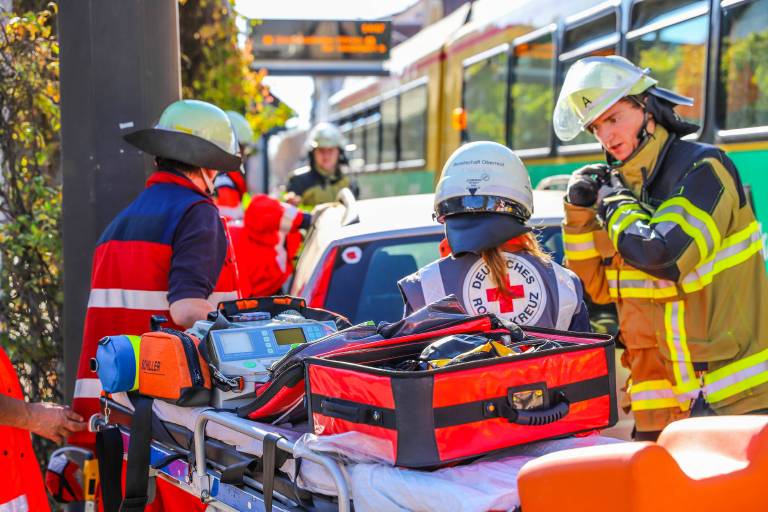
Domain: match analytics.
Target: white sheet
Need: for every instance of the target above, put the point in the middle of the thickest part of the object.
(376, 486)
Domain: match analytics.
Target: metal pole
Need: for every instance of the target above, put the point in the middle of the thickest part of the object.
(119, 68)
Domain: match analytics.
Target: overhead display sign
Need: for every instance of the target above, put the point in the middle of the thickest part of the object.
(321, 47)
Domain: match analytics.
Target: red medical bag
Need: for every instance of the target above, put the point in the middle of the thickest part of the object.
(434, 417)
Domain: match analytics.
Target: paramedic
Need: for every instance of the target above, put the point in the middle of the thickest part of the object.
(267, 248)
(496, 265)
(166, 253)
(230, 186)
(321, 180)
(671, 239)
(22, 485)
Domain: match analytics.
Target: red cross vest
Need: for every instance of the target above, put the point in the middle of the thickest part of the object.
(129, 279)
(21, 487)
(541, 294)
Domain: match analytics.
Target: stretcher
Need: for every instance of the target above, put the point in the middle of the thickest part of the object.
(232, 463)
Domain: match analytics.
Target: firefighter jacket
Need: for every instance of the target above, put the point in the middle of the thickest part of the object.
(542, 294)
(314, 188)
(230, 189)
(680, 255)
(21, 488)
(267, 245)
(129, 277)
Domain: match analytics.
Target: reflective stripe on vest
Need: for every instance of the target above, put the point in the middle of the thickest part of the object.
(431, 283)
(580, 246)
(567, 299)
(694, 221)
(18, 504)
(87, 388)
(623, 217)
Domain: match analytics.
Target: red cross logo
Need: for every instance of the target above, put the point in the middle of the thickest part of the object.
(506, 302)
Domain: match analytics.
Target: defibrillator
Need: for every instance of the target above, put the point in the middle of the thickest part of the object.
(243, 349)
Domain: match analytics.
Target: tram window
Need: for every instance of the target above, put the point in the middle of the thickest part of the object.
(594, 32)
(485, 90)
(744, 65)
(389, 130)
(583, 137)
(356, 155)
(658, 11)
(677, 56)
(413, 123)
(372, 139)
(531, 93)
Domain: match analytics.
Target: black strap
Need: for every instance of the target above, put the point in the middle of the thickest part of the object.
(137, 472)
(269, 458)
(168, 459)
(109, 452)
(234, 473)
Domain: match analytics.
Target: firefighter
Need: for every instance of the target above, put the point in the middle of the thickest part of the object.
(496, 265)
(230, 186)
(321, 180)
(166, 253)
(663, 229)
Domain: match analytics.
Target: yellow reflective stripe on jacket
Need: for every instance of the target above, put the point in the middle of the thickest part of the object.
(623, 217)
(696, 223)
(686, 385)
(638, 284)
(652, 394)
(580, 246)
(735, 249)
(736, 377)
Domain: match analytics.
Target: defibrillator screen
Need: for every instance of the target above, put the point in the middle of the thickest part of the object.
(289, 336)
(235, 342)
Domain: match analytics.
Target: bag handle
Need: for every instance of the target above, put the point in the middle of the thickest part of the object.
(276, 304)
(536, 417)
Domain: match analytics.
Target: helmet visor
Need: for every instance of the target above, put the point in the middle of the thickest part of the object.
(480, 204)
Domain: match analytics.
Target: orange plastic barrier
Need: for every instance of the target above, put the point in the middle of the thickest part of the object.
(703, 464)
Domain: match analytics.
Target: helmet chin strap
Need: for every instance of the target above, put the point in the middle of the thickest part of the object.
(210, 187)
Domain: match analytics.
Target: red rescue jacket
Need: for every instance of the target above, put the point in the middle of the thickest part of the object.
(129, 280)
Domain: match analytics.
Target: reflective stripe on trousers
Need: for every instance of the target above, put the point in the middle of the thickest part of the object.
(17, 504)
(686, 385)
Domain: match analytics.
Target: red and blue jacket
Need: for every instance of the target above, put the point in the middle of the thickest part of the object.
(130, 275)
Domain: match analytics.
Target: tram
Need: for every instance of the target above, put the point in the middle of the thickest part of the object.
(492, 71)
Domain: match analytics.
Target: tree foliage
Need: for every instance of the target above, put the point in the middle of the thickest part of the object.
(215, 69)
(30, 201)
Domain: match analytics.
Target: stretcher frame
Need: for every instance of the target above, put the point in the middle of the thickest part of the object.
(204, 480)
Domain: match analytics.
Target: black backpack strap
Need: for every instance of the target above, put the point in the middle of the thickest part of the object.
(235, 473)
(137, 472)
(109, 453)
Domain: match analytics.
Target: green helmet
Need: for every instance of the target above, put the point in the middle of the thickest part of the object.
(242, 128)
(193, 132)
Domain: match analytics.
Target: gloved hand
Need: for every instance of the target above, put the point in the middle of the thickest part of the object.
(612, 190)
(585, 183)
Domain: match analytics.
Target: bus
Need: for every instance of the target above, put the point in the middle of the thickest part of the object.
(492, 70)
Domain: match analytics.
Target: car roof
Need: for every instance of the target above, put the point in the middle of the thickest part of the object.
(409, 212)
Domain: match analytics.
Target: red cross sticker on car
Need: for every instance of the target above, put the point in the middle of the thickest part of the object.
(352, 255)
(506, 301)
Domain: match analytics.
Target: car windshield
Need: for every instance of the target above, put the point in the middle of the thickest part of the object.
(364, 281)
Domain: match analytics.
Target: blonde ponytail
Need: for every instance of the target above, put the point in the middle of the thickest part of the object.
(497, 263)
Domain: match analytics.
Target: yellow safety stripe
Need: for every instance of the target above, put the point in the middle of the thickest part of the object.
(579, 246)
(735, 249)
(638, 284)
(689, 230)
(623, 217)
(652, 394)
(695, 212)
(736, 377)
(686, 386)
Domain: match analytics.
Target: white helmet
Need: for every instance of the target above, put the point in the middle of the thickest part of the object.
(592, 86)
(325, 135)
(483, 178)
